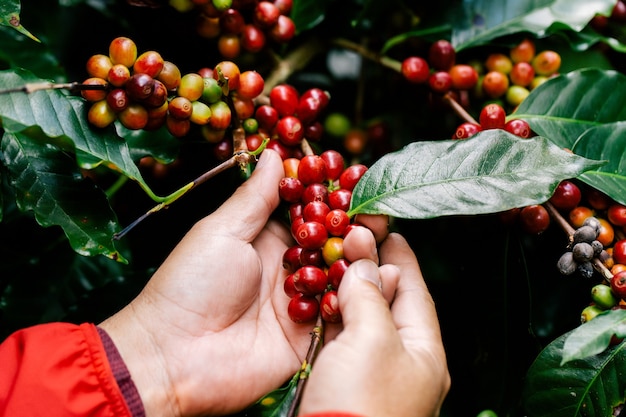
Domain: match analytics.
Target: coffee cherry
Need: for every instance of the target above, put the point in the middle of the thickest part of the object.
(123, 51)
(464, 77)
(619, 251)
(618, 284)
(336, 271)
(139, 86)
(566, 264)
(98, 66)
(118, 75)
(310, 280)
(221, 115)
(578, 215)
(534, 219)
(515, 94)
(253, 38)
(616, 214)
(177, 127)
(311, 235)
(441, 55)
(602, 296)
(340, 199)
(290, 130)
(229, 45)
(283, 30)
(232, 22)
(546, 62)
(607, 233)
(94, 95)
(582, 252)
(518, 127)
(589, 313)
(566, 196)
(334, 164)
(522, 74)
(170, 75)
(200, 113)
(230, 71)
(100, 114)
(586, 234)
(492, 116)
(191, 86)
(288, 286)
(134, 116)
(290, 189)
(315, 211)
(440, 82)
(284, 98)
(251, 84)
(265, 14)
(466, 130)
(585, 269)
(303, 308)
(149, 62)
(180, 107)
(351, 176)
(415, 69)
(291, 258)
(523, 51)
(312, 169)
(329, 307)
(117, 99)
(495, 84)
(332, 249)
(336, 222)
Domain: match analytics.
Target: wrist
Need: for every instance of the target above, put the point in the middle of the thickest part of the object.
(144, 362)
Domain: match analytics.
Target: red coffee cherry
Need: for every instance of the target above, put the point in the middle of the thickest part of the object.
(534, 219)
(466, 130)
(311, 235)
(492, 116)
(464, 77)
(618, 284)
(415, 69)
(566, 196)
(284, 98)
(303, 308)
(329, 307)
(310, 280)
(441, 55)
(518, 127)
(351, 175)
(312, 169)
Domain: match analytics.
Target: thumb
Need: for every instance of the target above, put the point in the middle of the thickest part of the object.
(245, 213)
(364, 309)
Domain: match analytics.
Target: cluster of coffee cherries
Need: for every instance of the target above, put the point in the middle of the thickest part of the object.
(317, 190)
(241, 25)
(493, 116)
(147, 92)
(506, 78)
(583, 249)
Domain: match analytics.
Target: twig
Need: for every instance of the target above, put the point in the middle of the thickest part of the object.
(458, 109)
(46, 85)
(316, 338)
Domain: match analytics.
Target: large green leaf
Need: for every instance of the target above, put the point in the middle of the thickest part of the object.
(48, 182)
(489, 19)
(490, 172)
(594, 336)
(589, 387)
(584, 111)
(59, 114)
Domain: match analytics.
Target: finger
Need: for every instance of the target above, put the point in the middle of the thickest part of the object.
(245, 213)
(360, 244)
(365, 312)
(413, 307)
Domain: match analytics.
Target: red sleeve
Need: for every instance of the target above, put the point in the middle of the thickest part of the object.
(58, 369)
(332, 414)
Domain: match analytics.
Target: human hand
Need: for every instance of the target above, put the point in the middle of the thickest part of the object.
(210, 334)
(385, 362)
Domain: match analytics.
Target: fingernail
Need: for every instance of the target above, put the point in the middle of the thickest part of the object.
(368, 271)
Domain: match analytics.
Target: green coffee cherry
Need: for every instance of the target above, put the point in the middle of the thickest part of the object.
(603, 297)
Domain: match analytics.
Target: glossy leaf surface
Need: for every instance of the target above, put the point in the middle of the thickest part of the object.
(490, 172)
(585, 111)
(593, 386)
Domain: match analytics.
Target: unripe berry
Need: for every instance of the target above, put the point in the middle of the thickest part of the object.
(100, 114)
(134, 117)
(98, 66)
(123, 51)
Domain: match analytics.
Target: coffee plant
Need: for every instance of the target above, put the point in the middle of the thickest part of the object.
(491, 134)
